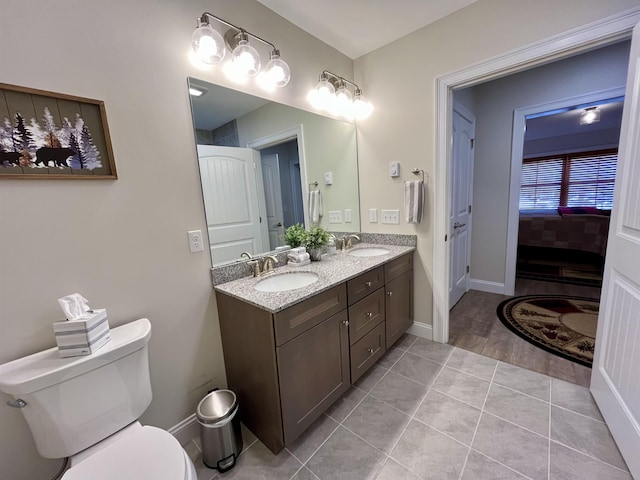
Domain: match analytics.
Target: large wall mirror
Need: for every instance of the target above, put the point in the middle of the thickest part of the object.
(258, 162)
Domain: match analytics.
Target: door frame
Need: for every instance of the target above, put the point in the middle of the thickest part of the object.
(292, 133)
(517, 154)
(597, 34)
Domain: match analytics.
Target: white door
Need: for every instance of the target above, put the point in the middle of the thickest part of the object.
(230, 192)
(615, 378)
(273, 199)
(460, 219)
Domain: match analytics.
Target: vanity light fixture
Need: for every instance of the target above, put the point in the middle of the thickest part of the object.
(197, 91)
(210, 47)
(590, 115)
(332, 95)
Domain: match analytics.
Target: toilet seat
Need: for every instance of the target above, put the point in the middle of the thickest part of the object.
(147, 452)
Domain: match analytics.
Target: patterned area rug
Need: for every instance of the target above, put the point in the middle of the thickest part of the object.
(563, 325)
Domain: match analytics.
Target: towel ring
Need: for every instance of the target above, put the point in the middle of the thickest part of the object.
(314, 184)
(418, 171)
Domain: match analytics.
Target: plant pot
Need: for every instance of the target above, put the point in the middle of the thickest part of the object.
(315, 254)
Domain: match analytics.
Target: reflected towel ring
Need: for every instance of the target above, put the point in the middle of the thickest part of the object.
(418, 171)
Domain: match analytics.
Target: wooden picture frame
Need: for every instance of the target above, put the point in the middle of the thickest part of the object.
(53, 135)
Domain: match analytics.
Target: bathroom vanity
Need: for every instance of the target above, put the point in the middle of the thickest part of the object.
(290, 354)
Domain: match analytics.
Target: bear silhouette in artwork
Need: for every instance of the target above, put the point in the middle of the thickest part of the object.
(11, 157)
(56, 155)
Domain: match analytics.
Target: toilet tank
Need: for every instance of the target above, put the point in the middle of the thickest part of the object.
(73, 403)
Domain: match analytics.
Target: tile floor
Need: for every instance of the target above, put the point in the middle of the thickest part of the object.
(433, 411)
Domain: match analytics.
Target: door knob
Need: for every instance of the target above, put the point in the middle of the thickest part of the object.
(279, 224)
(369, 315)
(346, 323)
(458, 225)
(368, 284)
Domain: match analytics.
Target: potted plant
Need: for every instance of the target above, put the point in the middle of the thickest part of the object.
(294, 235)
(315, 239)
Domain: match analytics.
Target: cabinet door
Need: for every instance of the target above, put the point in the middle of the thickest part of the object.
(399, 306)
(313, 371)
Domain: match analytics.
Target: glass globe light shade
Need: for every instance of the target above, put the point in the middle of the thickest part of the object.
(344, 102)
(208, 44)
(246, 59)
(277, 71)
(323, 95)
(362, 108)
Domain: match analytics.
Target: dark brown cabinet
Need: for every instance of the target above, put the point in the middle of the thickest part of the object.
(399, 298)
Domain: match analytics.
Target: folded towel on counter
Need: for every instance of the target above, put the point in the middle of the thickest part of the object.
(298, 250)
(414, 201)
(315, 205)
(297, 257)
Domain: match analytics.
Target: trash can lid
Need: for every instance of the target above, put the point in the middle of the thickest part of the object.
(216, 406)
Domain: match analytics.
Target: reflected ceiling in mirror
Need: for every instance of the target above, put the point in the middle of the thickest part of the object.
(259, 160)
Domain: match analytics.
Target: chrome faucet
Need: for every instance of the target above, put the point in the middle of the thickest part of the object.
(350, 238)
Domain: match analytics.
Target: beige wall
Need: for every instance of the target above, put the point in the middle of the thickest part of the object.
(399, 79)
(594, 71)
(122, 244)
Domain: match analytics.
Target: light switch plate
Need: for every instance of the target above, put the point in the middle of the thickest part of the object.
(394, 169)
(195, 241)
(373, 215)
(335, 216)
(328, 178)
(391, 216)
(347, 215)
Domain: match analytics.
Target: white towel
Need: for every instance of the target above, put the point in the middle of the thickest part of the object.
(315, 206)
(297, 258)
(414, 201)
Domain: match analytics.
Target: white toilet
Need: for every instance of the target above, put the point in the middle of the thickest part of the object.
(87, 408)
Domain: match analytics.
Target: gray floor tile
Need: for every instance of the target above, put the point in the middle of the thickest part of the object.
(479, 467)
(304, 474)
(469, 389)
(346, 457)
(345, 404)
(399, 391)
(392, 470)
(258, 463)
(405, 341)
(567, 464)
(522, 380)
(449, 416)
(312, 438)
(367, 381)
(378, 423)
(417, 369)
(391, 357)
(528, 412)
(438, 352)
(429, 454)
(472, 363)
(574, 397)
(523, 451)
(585, 435)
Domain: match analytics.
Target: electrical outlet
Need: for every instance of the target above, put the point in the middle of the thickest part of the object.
(390, 216)
(347, 215)
(335, 216)
(195, 241)
(373, 215)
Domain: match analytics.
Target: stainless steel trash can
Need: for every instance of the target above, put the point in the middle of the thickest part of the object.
(220, 433)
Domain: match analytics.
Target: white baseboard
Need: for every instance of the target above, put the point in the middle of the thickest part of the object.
(186, 430)
(422, 330)
(486, 286)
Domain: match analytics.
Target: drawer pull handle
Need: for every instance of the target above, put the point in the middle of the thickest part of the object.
(370, 350)
(368, 284)
(390, 293)
(346, 323)
(369, 314)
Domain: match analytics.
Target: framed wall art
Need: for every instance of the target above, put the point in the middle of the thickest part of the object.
(52, 135)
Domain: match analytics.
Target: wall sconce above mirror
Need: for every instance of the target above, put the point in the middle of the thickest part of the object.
(258, 162)
(332, 95)
(211, 48)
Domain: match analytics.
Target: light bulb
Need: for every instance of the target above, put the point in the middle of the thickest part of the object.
(246, 59)
(323, 96)
(362, 108)
(277, 71)
(208, 44)
(344, 101)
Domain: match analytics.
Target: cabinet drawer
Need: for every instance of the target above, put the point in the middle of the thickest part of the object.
(363, 285)
(398, 266)
(367, 351)
(365, 315)
(301, 317)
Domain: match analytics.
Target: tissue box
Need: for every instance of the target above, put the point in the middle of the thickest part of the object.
(84, 335)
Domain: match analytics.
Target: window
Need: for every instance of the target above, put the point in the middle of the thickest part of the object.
(572, 180)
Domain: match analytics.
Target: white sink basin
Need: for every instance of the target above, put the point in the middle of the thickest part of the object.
(286, 281)
(368, 252)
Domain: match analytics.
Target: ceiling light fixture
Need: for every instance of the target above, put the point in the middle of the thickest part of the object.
(590, 115)
(332, 95)
(210, 47)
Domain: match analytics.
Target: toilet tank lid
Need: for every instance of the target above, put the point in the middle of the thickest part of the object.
(43, 369)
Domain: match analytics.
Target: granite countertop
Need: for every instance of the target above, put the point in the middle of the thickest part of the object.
(332, 270)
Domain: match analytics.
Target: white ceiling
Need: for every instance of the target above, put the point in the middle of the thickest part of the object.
(357, 27)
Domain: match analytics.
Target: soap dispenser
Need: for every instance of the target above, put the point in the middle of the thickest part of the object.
(331, 245)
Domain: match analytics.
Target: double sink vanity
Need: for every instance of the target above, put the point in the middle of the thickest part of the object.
(296, 339)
